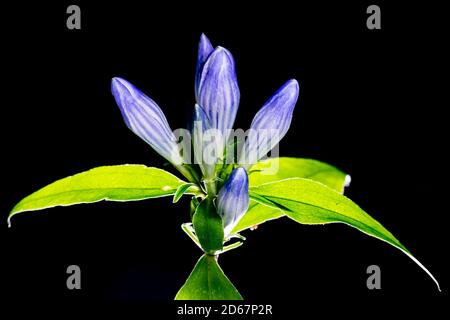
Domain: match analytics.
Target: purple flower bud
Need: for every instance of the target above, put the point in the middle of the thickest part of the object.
(233, 199)
(270, 124)
(218, 92)
(205, 48)
(143, 116)
(204, 156)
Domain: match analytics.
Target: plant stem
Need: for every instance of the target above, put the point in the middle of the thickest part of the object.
(211, 188)
(187, 227)
(230, 247)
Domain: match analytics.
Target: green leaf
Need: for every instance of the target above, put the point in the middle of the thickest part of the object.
(208, 282)
(182, 189)
(255, 215)
(283, 168)
(310, 202)
(113, 183)
(193, 206)
(276, 169)
(208, 226)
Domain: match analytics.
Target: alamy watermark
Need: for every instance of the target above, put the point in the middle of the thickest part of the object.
(374, 280)
(374, 19)
(74, 279)
(74, 19)
(233, 146)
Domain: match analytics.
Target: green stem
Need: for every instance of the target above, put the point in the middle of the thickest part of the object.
(211, 187)
(187, 227)
(231, 247)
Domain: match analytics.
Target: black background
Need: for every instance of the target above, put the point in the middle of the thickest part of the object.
(370, 103)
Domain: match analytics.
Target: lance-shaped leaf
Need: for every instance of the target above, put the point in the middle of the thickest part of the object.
(182, 190)
(112, 183)
(218, 91)
(208, 227)
(270, 124)
(257, 214)
(310, 202)
(144, 117)
(276, 169)
(233, 199)
(208, 282)
(205, 48)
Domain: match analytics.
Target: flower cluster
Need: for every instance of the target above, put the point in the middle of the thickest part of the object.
(217, 100)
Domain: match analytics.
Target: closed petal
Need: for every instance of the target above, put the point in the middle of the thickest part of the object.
(205, 48)
(218, 90)
(143, 116)
(271, 123)
(201, 126)
(233, 199)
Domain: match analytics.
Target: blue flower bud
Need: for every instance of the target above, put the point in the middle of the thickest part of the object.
(218, 91)
(143, 116)
(203, 143)
(233, 199)
(270, 124)
(205, 48)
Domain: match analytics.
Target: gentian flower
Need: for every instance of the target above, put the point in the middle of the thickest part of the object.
(270, 124)
(216, 90)
(217, 101)
(205, 159)
(205, 48)
(144, 117)
(233, 199)
(219, 185)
